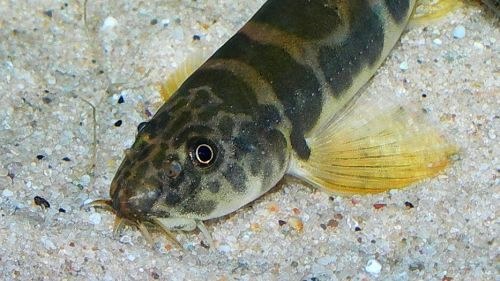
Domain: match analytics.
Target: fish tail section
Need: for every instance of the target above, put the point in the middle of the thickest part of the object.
(361, 154)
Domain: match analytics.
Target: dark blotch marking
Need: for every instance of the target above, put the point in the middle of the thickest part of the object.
(202, 97)
(178, 123)
(178, 105)
(226, 125)
(193, 184)
(183, 136)
(299, 144)
(200, 207)
(243, 146)
(303, 18)
(208, 112)
(157, 123)
(269, 116)
(236, 176)
(142, 154)
(159, 158)
(172, 198)
(141, 170)
(278, 146)
(295, 85)
(214, 186)
(234, 94)
(398, 9)
(341, 63)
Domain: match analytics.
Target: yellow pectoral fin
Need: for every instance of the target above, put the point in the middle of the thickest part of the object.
(428, 11)
(181, 74)
(360, 153)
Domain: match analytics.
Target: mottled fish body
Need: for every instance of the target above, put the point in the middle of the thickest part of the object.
(274, 100)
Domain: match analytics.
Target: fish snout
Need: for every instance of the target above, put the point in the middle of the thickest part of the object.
(133, 201)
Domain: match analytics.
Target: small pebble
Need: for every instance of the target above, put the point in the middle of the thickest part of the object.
(327, 260)
(118, 123)
(121, 99)
(224, 248)
(409, 205)
(49, 245)
(373, 267)
(491, 134)
(296, 223)
(437, 41)
(95, 218)
(459, 32)
(85, 180)
(125, 239)
(7, 193)
(403, 65)
(48, 13)
(42, 202)
(109, 23)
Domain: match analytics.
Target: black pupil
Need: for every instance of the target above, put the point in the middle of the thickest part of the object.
(204, 153)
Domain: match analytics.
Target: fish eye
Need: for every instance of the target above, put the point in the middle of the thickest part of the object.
(203, 152)
(174, 169)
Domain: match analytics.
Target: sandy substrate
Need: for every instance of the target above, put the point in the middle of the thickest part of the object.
(52, 66)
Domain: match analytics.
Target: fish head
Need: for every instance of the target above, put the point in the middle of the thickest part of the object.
(197, 159)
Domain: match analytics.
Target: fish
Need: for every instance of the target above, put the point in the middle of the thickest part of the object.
(494, 5)
(278, 99)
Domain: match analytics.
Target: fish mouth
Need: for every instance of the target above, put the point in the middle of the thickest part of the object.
(133, 202)
(142, 224)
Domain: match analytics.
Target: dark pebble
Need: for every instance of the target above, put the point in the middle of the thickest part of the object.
(48, 13)
(66, 159)
(153, 22)
(281, 222)
(61, 210)
(40, 157)
(121, 99)
(155, 275)
(204, 245)
(118, 123)
(40, 201)
(357, 228)
(46, 100)
(196, 37)
(409, 205)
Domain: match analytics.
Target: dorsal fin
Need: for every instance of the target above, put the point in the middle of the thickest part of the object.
(371, 150)
(175, 80)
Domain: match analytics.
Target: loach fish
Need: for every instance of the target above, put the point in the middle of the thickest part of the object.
(277, 99)
(494, 5)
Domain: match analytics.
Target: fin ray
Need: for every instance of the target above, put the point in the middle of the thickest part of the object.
(175, 80)
(370, 148)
